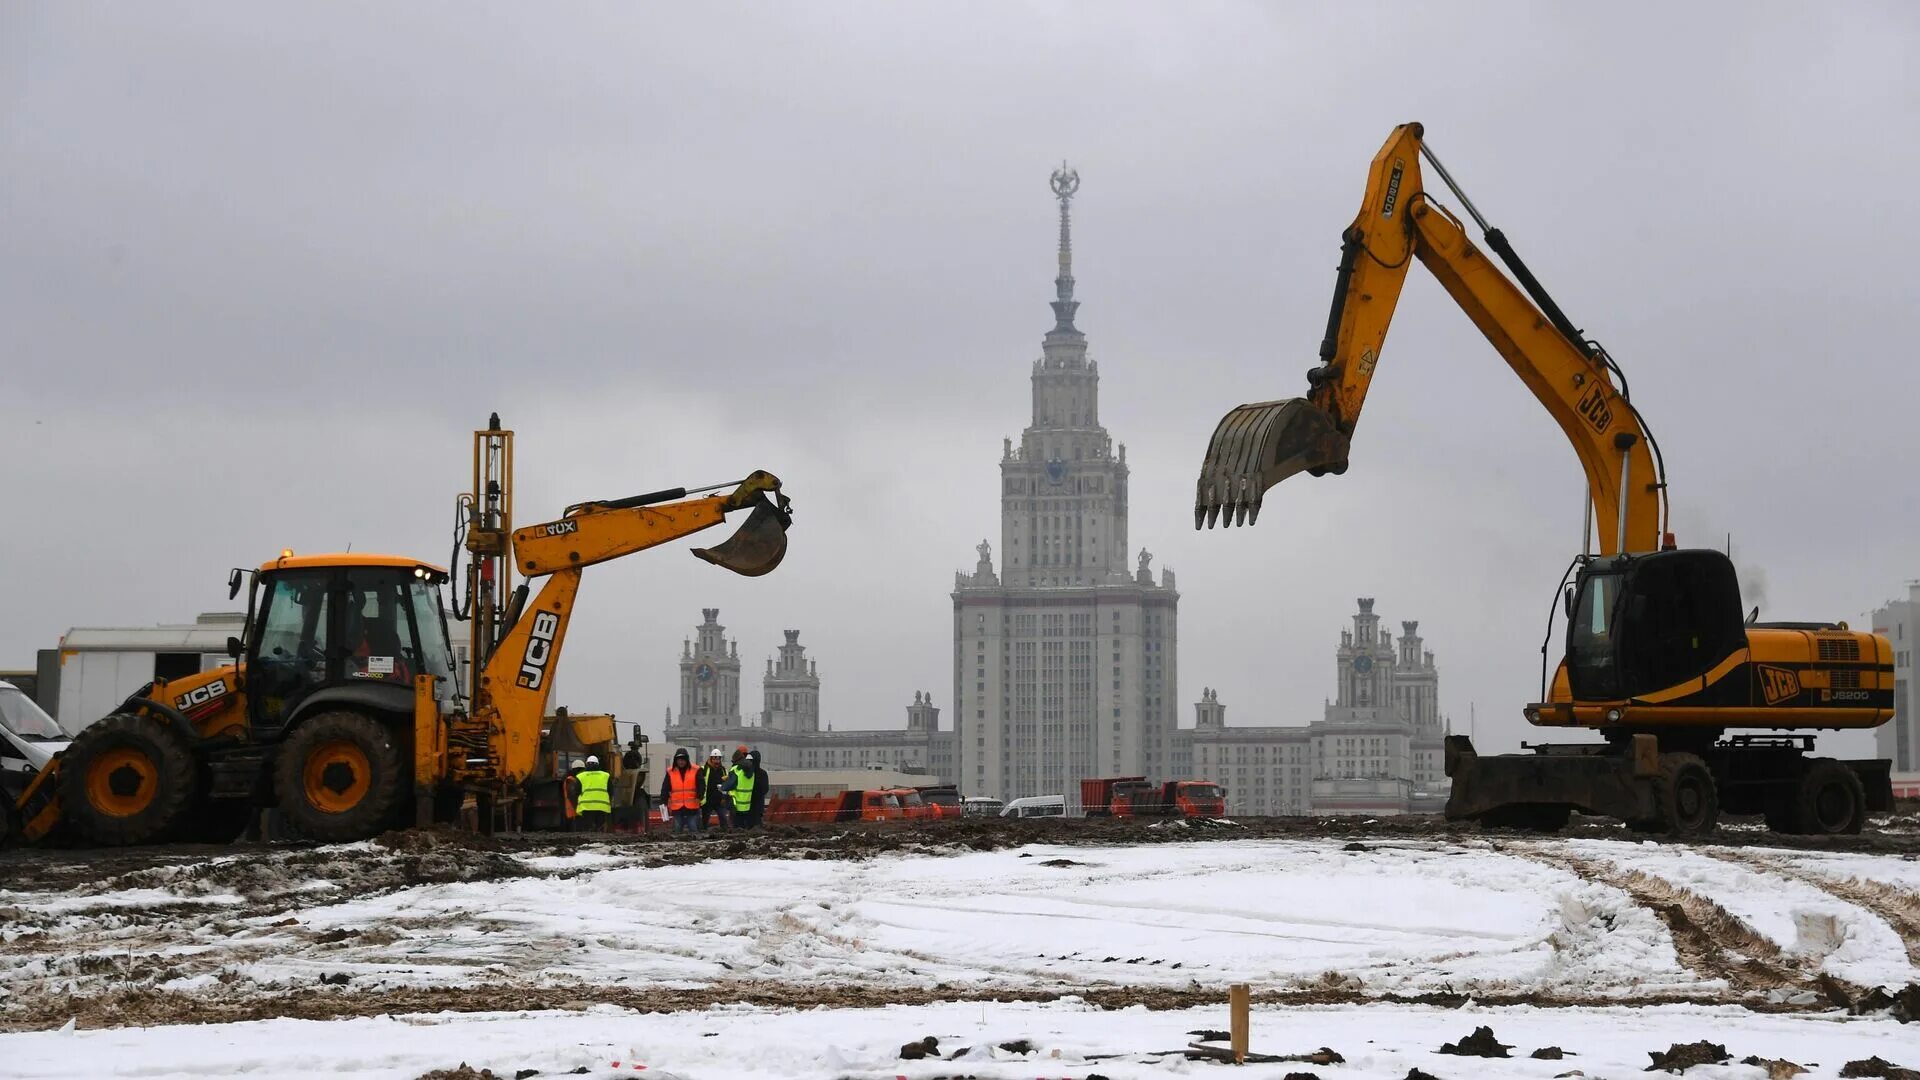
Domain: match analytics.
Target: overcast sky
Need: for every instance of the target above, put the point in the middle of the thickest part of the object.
(263, 268)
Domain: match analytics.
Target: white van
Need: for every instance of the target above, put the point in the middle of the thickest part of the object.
(1036, 806)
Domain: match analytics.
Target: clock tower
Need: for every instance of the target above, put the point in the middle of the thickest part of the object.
(1366, 660)
(710, 676)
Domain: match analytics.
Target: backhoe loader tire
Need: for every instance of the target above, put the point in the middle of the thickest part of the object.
(127, 780)
(339, 777)
(10, 827)
(1831, 801)
(1688, 799)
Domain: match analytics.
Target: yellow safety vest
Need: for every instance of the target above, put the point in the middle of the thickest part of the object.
(743, 789)
(593, 792)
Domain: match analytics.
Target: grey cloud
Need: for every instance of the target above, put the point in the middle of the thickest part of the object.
(260, 273)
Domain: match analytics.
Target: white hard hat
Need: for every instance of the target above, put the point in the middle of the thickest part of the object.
(591, 760)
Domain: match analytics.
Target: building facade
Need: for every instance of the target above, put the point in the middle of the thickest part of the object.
(788, 730)
(1378, 748)
(1898, 740)
(1064, 657)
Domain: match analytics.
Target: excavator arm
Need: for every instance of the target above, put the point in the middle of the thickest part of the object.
(517, 680)
(1256, 446)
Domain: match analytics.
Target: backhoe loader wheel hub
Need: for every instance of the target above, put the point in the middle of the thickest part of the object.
(337, 776)
(121, 782)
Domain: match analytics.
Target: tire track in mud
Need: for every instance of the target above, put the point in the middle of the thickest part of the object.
(1709, 939)
(1898, 908)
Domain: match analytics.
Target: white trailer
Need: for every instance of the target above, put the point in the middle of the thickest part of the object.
(100, 666)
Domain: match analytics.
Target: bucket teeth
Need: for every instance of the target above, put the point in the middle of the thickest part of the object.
(1257, 446)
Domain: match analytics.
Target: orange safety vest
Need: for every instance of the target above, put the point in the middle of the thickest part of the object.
(683, 789)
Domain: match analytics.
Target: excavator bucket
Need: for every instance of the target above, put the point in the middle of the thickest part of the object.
(1256, 447)
(759, 545)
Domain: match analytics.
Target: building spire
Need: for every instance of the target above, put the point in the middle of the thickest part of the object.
(1065, 182)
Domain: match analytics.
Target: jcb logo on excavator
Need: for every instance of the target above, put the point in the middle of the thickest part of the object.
(1594, 407)
(533, 664)
(1393, 188)
(559, 528)
(1778, 684)
(200, 695)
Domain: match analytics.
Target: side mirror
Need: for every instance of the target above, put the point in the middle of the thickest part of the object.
(233, 643)
(233, 583)
(1566, 601)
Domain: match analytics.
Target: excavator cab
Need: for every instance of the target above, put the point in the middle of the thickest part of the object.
(1641, 624)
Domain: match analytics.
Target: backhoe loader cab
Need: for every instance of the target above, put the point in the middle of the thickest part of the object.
(348, 629)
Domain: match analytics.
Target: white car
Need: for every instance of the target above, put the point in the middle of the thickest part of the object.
(29, 738)
(980, 806)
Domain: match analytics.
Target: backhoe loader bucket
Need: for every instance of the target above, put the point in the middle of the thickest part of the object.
(757, 546)
(1256, 447)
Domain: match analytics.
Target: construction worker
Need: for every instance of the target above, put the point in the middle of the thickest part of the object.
(747, 790)
(593, 804)
(714, 801)
(570, 794)
(680, 793)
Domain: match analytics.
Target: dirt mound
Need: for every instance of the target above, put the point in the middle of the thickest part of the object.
(1479, 1044)
(1902, 1005)
(1683, 1056)
(1877, 1066)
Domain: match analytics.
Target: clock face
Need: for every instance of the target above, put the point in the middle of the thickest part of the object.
(1363, 664)
(703, 672)
(1056, 471)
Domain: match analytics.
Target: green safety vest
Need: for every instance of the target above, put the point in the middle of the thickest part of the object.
(593, 792)
(743, 789)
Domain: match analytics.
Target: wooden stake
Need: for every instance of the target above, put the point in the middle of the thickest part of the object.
(1238, 1000)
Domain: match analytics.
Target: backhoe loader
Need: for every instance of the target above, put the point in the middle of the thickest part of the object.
(344, 707)
(1658, 657)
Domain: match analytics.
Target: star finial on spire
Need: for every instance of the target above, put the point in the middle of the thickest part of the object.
(1065, 182)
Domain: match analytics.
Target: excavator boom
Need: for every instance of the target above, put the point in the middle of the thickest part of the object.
(1258, 445)
(1659, 657)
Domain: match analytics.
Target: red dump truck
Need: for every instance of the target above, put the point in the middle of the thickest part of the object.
(1134, 796)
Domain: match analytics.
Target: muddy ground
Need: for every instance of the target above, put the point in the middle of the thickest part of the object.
(50, 869)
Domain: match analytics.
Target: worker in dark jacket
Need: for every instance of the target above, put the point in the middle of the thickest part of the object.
(747, 790)
(680, 793)
(715, 805)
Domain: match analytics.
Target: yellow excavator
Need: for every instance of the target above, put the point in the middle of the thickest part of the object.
(345, 706)
(1659, 658)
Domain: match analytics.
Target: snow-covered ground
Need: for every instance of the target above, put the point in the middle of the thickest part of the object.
(1574, 924)
(1069, 1039)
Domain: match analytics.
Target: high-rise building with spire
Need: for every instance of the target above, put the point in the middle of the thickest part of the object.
(1064, 658)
